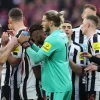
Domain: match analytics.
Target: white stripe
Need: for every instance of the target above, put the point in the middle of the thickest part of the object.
(97, 95)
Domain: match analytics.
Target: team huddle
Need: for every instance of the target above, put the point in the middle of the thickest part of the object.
(50, 60)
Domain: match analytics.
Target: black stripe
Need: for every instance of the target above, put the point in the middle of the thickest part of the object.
(44, 94)
(82, 90)
(38, 89)
(73, 84)
(74, 57)
(7, 73)
(98, 33)
(73, 36)
(87, 82)
(92, 81)
(89, 47)
(52, 96)
(26, 68)
(73, 76)
(81, 37)
(16, 90)
(20, 33)
(99, 95)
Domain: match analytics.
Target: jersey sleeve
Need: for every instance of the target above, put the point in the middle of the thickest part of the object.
(49, 46)
(94, 45)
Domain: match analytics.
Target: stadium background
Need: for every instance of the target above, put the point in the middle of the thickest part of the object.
(34, 9)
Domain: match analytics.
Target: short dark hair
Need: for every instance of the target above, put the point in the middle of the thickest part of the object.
(93, 18)
(15, 14)
(53, 15)
(90, 6)
(35, 27)
(67, 21)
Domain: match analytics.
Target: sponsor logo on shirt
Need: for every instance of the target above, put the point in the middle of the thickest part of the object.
(47, 46)
(17, 49)
(96, 46)
(80, 57)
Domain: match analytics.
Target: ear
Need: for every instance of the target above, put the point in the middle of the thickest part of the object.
(82, 16)
(88, 25)
(51, 23)
(9, 21)
(24, 20)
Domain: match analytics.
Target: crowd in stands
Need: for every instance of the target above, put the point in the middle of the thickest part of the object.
(34, 9)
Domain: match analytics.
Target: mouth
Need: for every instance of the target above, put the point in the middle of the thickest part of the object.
(67, 33)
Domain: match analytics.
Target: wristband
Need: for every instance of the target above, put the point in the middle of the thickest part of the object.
(31, 42)
(25, 45)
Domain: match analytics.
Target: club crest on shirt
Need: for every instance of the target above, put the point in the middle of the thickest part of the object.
(47, 46)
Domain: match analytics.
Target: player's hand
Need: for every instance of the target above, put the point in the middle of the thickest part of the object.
(91, 67)
(86, 54)
(23, 39)
(14, 41)
(11, 32)
(4, 39)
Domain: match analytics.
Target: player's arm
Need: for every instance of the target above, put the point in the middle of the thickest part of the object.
(46, 50)
(33, 45)
(13, 60)
(4, 56)
(76, 68)
(15, 56)
(36, 57)
(35, 48)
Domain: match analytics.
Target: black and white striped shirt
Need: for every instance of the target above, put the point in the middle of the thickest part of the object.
(15, 79)
(7, 74)
(79, 38)
(94, 76)
(28, 85)
(74, 54)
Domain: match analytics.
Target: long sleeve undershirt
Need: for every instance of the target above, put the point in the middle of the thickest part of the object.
(36, 57)
(35, 48)
(96, 60)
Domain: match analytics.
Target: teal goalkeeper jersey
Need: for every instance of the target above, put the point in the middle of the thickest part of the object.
(55, 69)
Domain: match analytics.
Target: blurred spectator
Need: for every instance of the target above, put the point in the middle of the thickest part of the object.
(34, 9)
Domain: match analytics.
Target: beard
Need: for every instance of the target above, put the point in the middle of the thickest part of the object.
(47, 30)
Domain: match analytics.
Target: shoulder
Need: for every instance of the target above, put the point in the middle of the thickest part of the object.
(77, 45)
(98, 30)
(76, 29)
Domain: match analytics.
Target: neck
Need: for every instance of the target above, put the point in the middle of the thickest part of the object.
(91, 32)
(69, 39)
(53, 29)
(18, 26)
